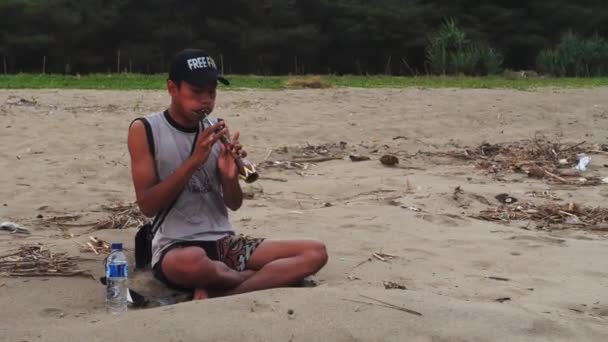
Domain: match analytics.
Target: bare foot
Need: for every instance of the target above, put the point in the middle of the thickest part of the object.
(247, 274)
(200, 294)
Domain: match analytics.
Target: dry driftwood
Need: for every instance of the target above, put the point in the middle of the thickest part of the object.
(37, 261)
(392, 306)
(549, 216)
(299, 157)
(539, 158)
(391, 285)
(96, 246)
(122, 216)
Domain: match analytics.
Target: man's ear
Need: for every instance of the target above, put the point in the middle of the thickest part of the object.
(172, 87)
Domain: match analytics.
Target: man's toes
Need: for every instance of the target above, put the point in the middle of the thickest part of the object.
(200, 294)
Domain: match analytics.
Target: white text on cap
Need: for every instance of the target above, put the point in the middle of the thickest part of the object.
(201, 63)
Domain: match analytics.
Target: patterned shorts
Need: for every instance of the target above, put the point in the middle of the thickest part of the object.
(233, 250)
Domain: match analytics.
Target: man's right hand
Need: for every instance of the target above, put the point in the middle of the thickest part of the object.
(205, 142)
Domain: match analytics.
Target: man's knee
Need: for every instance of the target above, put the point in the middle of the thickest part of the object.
(317, 255)
(184, 262)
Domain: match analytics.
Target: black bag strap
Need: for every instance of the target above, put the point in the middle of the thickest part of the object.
(160, 218)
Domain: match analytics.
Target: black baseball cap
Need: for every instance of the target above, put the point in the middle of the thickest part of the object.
(196, 67)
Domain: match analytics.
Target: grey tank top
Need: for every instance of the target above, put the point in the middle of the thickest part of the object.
(199, 213)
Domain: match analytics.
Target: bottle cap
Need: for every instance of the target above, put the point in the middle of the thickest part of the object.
(116, 246)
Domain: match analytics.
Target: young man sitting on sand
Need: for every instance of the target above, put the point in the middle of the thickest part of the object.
(195, 246)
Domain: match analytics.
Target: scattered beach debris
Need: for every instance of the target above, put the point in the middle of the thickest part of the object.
(313, 153)
(550, 216)
(38, 261)
(389, 160)
(13, 228)
(514, 156)
(383, 256)
(583, 161)
(499, 278)
(538, 158)
(62, 221)
(503, 299)
(363, 262)
(543, 194)
(282, 180)
(122, 216)
(358, 158)
(391, 285)
(19, 101)
(383, 304)
(317, 160)
(464, 199)
(268, 153)
(505, 198)
(284, 164)
(96, 245)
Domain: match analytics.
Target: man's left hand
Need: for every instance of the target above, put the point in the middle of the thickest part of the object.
(226, 161)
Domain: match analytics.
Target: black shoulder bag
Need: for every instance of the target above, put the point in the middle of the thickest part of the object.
(145, 235)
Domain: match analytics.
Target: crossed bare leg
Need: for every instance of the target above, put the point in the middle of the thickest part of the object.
(275, 263)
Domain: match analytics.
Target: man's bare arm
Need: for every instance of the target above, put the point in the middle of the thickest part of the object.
(152, 194)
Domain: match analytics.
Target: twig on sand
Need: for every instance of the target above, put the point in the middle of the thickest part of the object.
(268, 154)
(498, 278)
(316, 160)
(550, 216)
(383, 304)
(599, 152)
(10, 254)
(274, 179)
(555, 176)
(49, 274)
(375, 255)
(90, 245)
(383, 256)
(362, 262)
(37, 261)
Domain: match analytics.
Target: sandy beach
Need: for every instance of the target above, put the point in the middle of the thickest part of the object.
(63, 152)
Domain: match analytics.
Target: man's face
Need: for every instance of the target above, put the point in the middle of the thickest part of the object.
(191, 98)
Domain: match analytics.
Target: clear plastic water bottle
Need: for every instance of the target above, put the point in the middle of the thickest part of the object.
(116, 277)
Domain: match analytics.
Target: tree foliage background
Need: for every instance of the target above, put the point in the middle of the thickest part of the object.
(280, 36)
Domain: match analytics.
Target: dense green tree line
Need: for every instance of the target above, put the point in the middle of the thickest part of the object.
(279, 36)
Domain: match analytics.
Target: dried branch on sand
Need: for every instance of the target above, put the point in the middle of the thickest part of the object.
(300, 157)
(37, 261)
(96, 245)
(550, 216)
(121, 217)
(539, 158)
